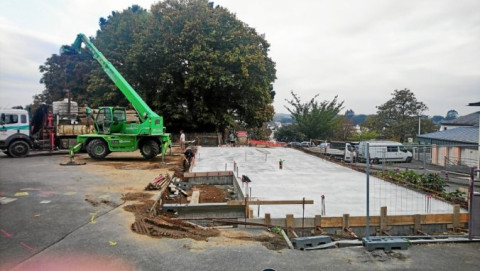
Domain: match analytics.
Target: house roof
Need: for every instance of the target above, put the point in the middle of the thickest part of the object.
(461, 134)
(467, 120)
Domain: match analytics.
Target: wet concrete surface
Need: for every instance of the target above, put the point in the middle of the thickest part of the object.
(310, 177)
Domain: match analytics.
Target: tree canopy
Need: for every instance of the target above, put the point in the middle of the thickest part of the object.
(195, 64)
(398, 117)
(313, 119)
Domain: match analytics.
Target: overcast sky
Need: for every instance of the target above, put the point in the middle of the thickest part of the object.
(359, 50)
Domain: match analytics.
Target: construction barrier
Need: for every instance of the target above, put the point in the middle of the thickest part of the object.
(255, 143)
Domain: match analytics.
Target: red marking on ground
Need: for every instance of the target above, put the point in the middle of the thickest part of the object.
(48, 192)
(2, 193)
(5, 233)
(27, 246)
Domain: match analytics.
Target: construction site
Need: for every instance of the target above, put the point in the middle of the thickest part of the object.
(230, 197)
(110, 188)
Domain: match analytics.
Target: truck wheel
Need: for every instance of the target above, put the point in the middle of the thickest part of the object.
(18, 148)
(376, 161)
(150, 149)
(97, 149)
(409, 160)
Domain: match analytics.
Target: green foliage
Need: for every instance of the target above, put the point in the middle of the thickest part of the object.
(398, 117)
(365, 134)
(314, 119)
(198, 66)
(452, 195)
(345, 130)
(290, 133)
(260, 133)
(277, 230)
(428, 181)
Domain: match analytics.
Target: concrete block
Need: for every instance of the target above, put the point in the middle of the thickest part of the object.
(311, 241)
(385, 243)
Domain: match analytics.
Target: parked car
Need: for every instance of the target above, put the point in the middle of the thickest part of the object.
(307, 144)
(294, 144)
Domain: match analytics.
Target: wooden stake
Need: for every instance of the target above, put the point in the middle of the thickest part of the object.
(383, 219)
(290, 221)
(268, 220)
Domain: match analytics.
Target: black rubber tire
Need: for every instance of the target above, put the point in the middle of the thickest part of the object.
(18, 149)
(409, 160)
(149, 149)
(97, 149)
(376, 161)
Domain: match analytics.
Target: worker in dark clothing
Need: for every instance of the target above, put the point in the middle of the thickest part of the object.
(188, 159)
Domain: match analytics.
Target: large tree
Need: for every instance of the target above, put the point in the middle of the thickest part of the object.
(195, 64)
(398, 118)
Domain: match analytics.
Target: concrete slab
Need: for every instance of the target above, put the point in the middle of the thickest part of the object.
(311, 177)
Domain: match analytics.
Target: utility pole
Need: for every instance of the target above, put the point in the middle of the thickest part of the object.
(478, 142)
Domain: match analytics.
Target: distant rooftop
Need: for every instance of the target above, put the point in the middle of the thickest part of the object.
(467, 120)
(460, 135)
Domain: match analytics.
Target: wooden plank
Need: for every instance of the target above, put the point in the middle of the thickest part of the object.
(359, 221)
(195, 197)
(285, 237)
(270, 202)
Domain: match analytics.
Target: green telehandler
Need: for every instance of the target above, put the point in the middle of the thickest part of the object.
(112, 131)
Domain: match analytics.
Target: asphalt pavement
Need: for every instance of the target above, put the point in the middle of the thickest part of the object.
(50, 226)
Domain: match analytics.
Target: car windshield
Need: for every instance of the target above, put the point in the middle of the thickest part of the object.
(402, 148)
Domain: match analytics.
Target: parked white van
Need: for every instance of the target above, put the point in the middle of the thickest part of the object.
(390, 151)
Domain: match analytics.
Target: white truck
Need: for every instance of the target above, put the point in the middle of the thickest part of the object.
(388, 151)
(339, 150)
(19, 134)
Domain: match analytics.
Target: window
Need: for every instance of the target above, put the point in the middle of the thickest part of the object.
(392, 149)
(10, 118)
(119, 115)
(23, 118)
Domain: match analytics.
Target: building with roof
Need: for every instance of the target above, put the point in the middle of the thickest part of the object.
(456, 142)
(463, 121)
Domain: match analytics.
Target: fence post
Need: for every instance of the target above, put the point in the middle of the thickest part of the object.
(456, 217)
(424, 159)
(383, 219)
(317, 223)
(268, 220)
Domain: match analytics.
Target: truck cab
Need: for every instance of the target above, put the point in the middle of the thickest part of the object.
(14, 132)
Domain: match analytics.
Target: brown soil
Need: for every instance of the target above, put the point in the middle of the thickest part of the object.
(271, 242)
(130, 196)
(128, 173)
(147, 223)
(96, 203)
(208, 194)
